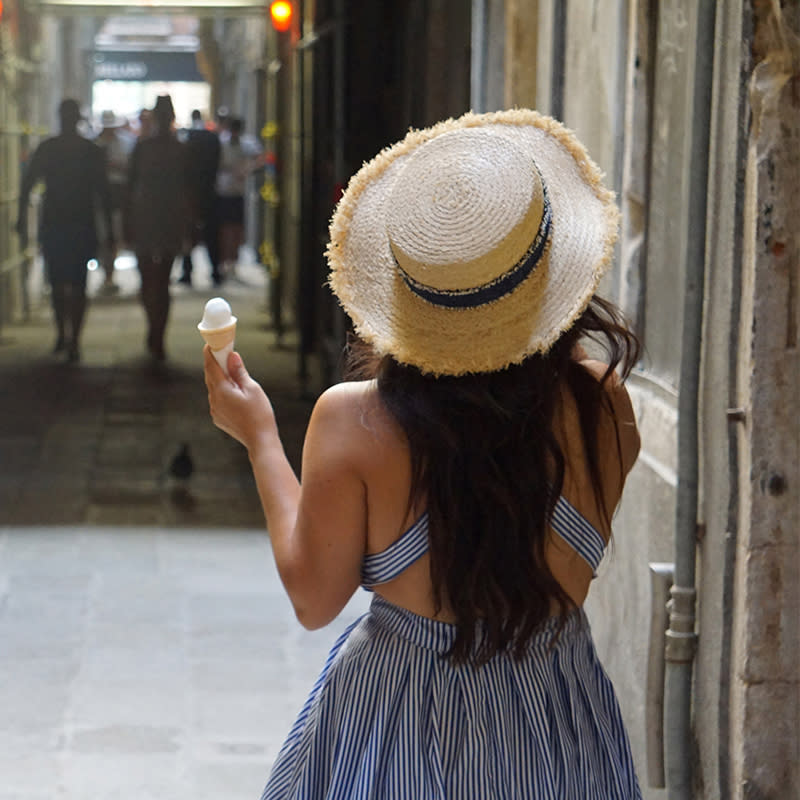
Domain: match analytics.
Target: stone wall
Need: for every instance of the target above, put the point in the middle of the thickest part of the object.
(627, 79)
(600, 71)
(765, 748)
(718, 427)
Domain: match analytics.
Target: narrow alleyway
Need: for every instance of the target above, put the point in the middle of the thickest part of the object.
(91, 443)
(147, 649)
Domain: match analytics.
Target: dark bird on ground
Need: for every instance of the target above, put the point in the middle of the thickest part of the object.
(182, 466)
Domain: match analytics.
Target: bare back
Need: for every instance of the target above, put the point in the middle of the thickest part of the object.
(382, 458)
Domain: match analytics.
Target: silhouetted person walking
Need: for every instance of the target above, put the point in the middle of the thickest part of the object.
(157, 217)
(202, 162)
(74, 174)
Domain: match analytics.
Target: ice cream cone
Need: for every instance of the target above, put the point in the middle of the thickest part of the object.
(218, 328)
(220, 340)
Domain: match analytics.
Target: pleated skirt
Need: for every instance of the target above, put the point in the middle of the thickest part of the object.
(390, 718)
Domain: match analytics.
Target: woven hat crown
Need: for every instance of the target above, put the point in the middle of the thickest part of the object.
(463, 212)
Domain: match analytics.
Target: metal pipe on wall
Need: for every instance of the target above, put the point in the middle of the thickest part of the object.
(661, 579)
(741, 32)
(479, 56)
(681, 637)
(559, 58)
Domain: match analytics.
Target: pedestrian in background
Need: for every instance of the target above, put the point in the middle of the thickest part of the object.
(145, 123)
(240, 157)
(77, 191)
(222, 120)
(202, 160)
(157, 217)
(469, 479)
(117, 144)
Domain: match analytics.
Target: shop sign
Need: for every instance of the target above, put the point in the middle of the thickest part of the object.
(153, 65)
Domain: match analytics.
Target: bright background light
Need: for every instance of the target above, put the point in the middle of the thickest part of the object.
(281, 14)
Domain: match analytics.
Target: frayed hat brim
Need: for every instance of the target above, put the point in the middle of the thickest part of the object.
(449, 341)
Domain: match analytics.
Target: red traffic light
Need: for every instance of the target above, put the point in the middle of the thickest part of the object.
(280, 13)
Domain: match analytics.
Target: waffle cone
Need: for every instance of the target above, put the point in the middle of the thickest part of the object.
(218, 338)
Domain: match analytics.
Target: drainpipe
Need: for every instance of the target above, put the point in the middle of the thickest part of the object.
(559, 45)
(479, 56)
(681, 638)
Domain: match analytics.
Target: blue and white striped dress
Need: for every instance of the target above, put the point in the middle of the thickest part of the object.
(389, 718)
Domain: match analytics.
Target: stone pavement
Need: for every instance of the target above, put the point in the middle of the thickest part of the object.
(140, 663)
(147, 649)
(92, 442)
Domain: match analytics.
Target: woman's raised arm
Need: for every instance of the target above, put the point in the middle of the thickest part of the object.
(317, 530)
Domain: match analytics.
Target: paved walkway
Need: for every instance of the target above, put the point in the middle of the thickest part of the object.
(92, 442)
(147, 649)
(140, 663)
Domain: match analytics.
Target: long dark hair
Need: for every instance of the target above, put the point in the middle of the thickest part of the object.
(486, 461)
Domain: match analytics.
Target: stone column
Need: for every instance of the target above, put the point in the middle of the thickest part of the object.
(765, 702)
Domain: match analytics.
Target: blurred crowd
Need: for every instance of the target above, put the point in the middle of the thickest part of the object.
(142, 185)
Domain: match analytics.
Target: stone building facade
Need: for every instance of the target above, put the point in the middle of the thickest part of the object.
(692, 110)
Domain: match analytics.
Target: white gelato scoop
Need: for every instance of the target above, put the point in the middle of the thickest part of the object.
(217, 314)
(218, 328)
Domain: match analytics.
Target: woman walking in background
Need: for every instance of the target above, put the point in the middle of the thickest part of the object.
(239, 158)
(157, 216)
(469, 479)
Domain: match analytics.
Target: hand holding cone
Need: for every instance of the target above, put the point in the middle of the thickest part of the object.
(218, 328)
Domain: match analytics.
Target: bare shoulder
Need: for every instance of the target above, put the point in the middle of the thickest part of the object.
(351, 419)
(347, 403)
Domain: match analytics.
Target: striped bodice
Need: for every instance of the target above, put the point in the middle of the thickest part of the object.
(567, 522)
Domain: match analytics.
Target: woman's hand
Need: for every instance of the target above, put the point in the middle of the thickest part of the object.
(238, 404)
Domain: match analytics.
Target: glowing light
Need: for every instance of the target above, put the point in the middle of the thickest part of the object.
(280, 12)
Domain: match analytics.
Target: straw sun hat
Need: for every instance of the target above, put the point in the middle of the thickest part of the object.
(470, 245)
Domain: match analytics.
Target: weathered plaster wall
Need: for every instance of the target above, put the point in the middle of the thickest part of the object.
(594, 86)
(719, 428)
(600, 66)
(619, 601)
(746, 693)
(542, 61)
(765, 747)
(608, 100)
(522, 43)
(630, 276)
(596, 81)
(489, 55)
